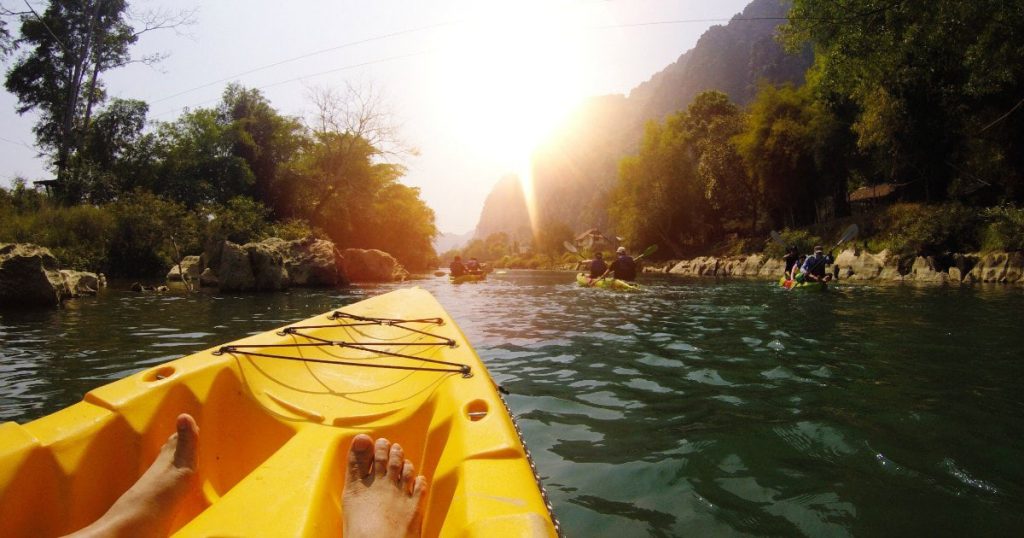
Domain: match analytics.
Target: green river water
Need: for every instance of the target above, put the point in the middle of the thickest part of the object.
(697, 407)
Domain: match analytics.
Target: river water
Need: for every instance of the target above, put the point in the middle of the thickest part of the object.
(695, 407)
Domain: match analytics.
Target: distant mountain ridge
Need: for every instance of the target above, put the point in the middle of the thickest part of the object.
(449, 241)
(577, 167)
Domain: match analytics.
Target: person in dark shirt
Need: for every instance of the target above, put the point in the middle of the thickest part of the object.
(597, 266)
(814, 266)
(792, 259)
(457, 268)
(624, 266)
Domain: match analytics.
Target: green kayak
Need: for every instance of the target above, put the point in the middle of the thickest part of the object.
(606, 283)
(476, 277)
(805, 286)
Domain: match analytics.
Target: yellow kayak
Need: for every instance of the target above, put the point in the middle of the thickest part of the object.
(606, 283)
(277, 412)
(469, 277)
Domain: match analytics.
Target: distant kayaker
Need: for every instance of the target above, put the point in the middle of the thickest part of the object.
(457, 268)
(597, 266)
(473, 266)
(792, 259)
(624, 267)
(814, 267)
(382, 495)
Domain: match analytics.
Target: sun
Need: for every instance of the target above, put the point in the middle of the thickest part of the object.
(510, 74)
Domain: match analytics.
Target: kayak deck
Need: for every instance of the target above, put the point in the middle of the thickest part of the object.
(606, 283)
(275, 426)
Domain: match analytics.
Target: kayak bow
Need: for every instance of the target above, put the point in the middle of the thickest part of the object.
(277, 412)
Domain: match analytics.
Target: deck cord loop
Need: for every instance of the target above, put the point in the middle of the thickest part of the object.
(370, 347)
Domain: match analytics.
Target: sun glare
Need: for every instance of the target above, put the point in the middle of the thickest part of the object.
(511, 74)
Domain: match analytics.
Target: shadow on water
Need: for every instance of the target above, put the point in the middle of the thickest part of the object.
(697, 406)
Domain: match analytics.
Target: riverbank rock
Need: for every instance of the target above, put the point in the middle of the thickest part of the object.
(235, 271)
(276, 264)
(885, 266)
(772, 268)
(310, 262)
(371, 265)
(191, 266)
(80, 283)
(926, 269)
(29, 276)
(1005, 267)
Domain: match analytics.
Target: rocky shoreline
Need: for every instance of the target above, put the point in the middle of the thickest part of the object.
(854, 265)
(30, 276)
(275, 264)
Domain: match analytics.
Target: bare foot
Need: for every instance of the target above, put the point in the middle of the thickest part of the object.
(149, 506)
(382, 498)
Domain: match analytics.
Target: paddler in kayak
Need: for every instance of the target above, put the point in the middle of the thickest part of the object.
(473, 267)
(813, 268)
(382, 494)
(597, 268)
(792, 259)
(457, 268)
(624, 267)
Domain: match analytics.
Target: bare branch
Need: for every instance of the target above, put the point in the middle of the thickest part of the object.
(361, 111)
(163, 19)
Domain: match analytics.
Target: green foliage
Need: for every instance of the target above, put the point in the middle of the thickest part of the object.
(778, 149)
(292, 229)
(932, 82)
(1004, 229)
(241, 220)
(803, 240)
(918, 229)
(147, 229)
(78, 236)
(686, 180)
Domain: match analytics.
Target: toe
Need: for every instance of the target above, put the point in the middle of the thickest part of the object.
(419, 488)
(408, 471)
(396, 457)
(360, 457)
(186, 443)
(380, 457)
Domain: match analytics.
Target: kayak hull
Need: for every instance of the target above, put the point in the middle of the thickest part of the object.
(274, 433)
(802, 286)
(467, 278)
(606, 283)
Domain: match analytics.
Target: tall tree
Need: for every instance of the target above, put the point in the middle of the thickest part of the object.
(73, 42)
(266, 140)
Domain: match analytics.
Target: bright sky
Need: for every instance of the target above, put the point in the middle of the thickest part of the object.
(472, 83)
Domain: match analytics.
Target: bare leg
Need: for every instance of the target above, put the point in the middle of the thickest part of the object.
(149, 506)
(383, 497)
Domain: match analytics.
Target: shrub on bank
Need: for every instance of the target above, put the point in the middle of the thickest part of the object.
(918, 229)
(150, 233)
(78, 236)
(802, 239)
(1004, 229)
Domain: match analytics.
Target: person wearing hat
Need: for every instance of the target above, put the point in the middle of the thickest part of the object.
(624, 266)
(814, 266)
